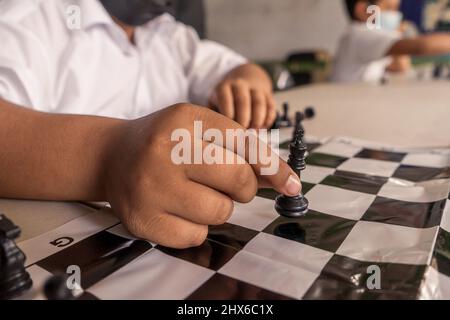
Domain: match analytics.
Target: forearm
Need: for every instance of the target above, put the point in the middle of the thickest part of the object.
(53, 157)
(427, 45)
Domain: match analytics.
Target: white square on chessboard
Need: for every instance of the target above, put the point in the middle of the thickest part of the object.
(314, 174)
(378, 242)
(436, 286)
(423, 192)
(288, 252)
(427, 160)
(339, 202)
(340, 149)
(255, 215)
(154, 276)
(269, 274)
(370, 166)
(445, 223)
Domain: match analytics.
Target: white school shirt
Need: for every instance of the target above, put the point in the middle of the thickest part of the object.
(361, 55)
(94, 69)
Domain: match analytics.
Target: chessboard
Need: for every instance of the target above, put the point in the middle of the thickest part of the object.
(373, 209)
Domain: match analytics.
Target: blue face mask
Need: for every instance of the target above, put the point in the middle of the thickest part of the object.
(391, 20)
(136, 12)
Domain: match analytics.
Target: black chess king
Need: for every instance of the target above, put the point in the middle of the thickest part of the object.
(297, 206)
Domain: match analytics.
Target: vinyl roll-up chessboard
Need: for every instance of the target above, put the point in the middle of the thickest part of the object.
(372, 209)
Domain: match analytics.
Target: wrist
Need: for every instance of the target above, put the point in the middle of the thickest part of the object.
(111, 140)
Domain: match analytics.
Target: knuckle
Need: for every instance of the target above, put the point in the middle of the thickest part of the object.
(157, 142)
(243, 178)
(222, 87)
(198, 237)
(185, 111)
(257, 97)
(223, 211)
(248, 195)
(240, 84)
(246, 186)
(182, 108)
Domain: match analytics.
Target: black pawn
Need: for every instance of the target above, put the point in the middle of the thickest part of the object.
(438, 71)
(297, 206)
(277, 124)
(287, 123)
(55, 288)
(14, 279)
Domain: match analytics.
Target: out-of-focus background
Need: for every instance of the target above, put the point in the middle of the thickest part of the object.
(299, 35)
(288, 25)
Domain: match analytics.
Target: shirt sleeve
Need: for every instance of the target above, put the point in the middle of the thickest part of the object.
(205, 63)
(22, 64)
(373, 45)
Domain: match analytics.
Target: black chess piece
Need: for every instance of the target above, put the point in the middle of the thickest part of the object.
(55, 288)
(14, 279)
(297, 206)
(286, 121)
(299, 117)
(438, 71)
(310, 113)
(277, 124)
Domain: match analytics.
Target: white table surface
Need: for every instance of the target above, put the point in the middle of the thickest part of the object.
(405, 114)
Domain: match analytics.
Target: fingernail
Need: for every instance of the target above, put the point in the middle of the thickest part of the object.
(293, 185)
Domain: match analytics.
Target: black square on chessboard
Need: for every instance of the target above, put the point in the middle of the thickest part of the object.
(97, 256)
(231, 235)
(315, 229)
(221, 245)
(325, 160)
(210, 254)
(420, 174)
(271, 194)
(407, 214)
(355, 182)
(381, 155)
(222, 287)
(346, 278)
(441, 255)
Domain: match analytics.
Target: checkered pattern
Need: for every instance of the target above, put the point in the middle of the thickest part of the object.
(368, 206)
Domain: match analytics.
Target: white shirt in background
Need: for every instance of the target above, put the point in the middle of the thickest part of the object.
(362, 54)
(95, 70)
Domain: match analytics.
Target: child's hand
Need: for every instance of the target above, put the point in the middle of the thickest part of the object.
(172, 204)
(400, 64)
(246, 96)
